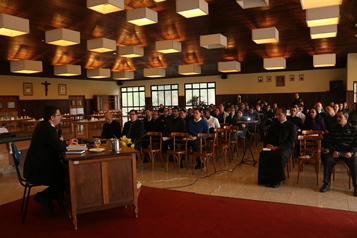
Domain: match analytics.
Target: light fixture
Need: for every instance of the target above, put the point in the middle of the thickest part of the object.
(141, 16)
(274, 63)
(253, 3)
(159, 0)
(154, 72)
(324, 60)
(308, 4)
(131, 51)
(214, 41)
(323, 16)
(101, 45)
(123, 75)
(265, 35)
(67, 70)
(168, 46)
(98, 73)
(319, 32)
(192, 8)
(189, 69)
(106, 6)
(26, 66)
(13, 26)
(62, 37)
(229, 66)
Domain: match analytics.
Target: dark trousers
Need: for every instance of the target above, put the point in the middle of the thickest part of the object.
(330, 162)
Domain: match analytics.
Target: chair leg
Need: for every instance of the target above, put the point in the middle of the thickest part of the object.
(26, 205)
(23, 200)
(167, 162)
(300, 164)
(152, 158)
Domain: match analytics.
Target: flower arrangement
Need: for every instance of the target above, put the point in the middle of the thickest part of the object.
(126, 142)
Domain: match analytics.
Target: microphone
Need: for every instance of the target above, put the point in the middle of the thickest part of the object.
(59, 133)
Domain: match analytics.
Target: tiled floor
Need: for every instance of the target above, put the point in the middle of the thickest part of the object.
(233, 180)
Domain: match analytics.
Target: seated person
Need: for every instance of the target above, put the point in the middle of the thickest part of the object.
(43, 164)
(297, 121)
(134, 129)
(174, 124)
(213, 122)
(112, 128)
(194, 127)
(231, 119)
(342, 145)
(280, 139)
(155, 124)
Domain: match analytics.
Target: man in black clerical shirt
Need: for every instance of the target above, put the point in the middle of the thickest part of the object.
(112, 128)
(279, 139)
(134, 129)
(155, 124)
(297, 121)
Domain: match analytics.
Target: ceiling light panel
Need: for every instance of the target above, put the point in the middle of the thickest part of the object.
(323, 16)
(105, 6)
(13, 26)
(265, 35)
(192, 8)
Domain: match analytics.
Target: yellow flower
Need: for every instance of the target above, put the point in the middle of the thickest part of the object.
(132, 146)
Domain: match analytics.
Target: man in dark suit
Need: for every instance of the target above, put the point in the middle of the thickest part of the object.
(134, 129)
(43, 164)
(112, 128)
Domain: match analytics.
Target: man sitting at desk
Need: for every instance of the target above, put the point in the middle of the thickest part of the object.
(134, 129)
(279, 139)
(43, 163)
(112, 128)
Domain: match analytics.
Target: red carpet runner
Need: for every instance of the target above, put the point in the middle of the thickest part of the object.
(164, 213)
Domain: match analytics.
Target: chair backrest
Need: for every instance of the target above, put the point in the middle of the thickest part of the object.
(312, 132)
(179, 141)
(155, 139)
(208, 142)
(223, 136)
(16, 158)
(310, 145)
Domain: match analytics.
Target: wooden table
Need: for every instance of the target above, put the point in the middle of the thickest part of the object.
(99, 181)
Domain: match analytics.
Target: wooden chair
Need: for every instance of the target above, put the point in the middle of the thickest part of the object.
(207, 151)
(154, 148)
(310, 151)
(223, 145)
(234, 139)
(178, 150)
(341, 162)
(312, 132)
(24, 182)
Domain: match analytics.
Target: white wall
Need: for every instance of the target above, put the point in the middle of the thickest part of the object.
(314, 81)
(13, 86)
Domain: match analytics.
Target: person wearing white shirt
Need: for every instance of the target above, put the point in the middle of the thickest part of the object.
(213, 122)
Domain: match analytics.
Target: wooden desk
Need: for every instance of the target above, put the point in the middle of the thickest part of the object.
(99, 181)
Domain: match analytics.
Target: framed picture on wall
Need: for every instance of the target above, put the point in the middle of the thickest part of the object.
(260, 79)
(62, 89)
(268, 79)
(292, 77)
(280, 81)
(301, 77)
(27, 87)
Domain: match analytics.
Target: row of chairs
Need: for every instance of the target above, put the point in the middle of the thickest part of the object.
(310, 149)
(222, 143)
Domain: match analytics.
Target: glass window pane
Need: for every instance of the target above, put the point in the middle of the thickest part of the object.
(203, 85)
(153, 87)
(175, 86)
(196, 85)
(142, 89)
(211, 85)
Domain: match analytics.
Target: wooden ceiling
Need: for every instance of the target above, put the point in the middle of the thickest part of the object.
(225, 17)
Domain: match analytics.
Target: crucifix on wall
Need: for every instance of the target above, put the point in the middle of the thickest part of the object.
(46, 84)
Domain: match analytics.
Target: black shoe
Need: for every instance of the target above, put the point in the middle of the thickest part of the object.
(275, 185)
(46, 203)
(326, 187)
(355, 192)
(268, 184)
(198, 166)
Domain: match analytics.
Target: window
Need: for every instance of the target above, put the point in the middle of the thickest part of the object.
(132, 98)
(164, 94)
(200, 93)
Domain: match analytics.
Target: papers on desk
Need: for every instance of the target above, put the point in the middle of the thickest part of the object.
(75, 152)
(76, 147)
(266, 149)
